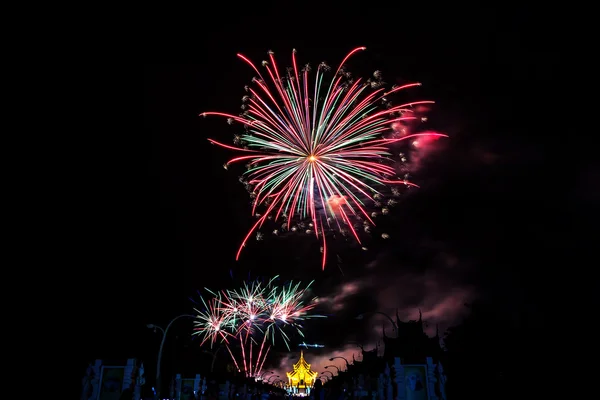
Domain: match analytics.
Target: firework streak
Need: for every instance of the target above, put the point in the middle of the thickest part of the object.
(317, 151)
(250, 317)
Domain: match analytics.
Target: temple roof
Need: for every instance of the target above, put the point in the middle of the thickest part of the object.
(302, 367)
(302, 363)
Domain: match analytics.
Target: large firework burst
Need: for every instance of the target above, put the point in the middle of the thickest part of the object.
(317, 151)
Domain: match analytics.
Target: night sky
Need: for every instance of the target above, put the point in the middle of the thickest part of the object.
(484, 224)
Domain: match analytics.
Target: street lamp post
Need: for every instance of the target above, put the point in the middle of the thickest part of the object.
(271, 377)
(162, 343)
(214, 357)
(262, 376)
(361, 316)
(325, 372)
(343, 358)
(338, 370)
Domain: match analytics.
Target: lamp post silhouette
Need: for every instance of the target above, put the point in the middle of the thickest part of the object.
(343, 358)
(362, 316)
(162, 343)
(338, 370)
(271, 377)
(262, 376)
(214, 357)
(325, 372)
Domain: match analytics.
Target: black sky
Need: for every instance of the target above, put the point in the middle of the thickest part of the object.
(172, 224)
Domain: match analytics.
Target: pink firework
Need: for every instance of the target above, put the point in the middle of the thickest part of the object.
(310, 144)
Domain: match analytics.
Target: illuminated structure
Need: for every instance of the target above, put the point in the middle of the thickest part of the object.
(301, 380)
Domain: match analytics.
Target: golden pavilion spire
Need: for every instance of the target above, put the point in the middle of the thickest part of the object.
(302, 378)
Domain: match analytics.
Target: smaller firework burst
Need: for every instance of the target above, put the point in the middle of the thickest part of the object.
(288, 309)
(212, 324)
(252, 315)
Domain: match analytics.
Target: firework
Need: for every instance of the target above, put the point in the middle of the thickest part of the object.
(317, 151)
(212, 324)
(252, 317)
(251, 357)
(288, 309)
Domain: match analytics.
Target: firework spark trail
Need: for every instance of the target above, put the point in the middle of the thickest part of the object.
(254, 310)
(258, 359)
(244, 361)
(233, 358)
(260, 367)
(252, 366)
(249, 368)
(302, 156)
